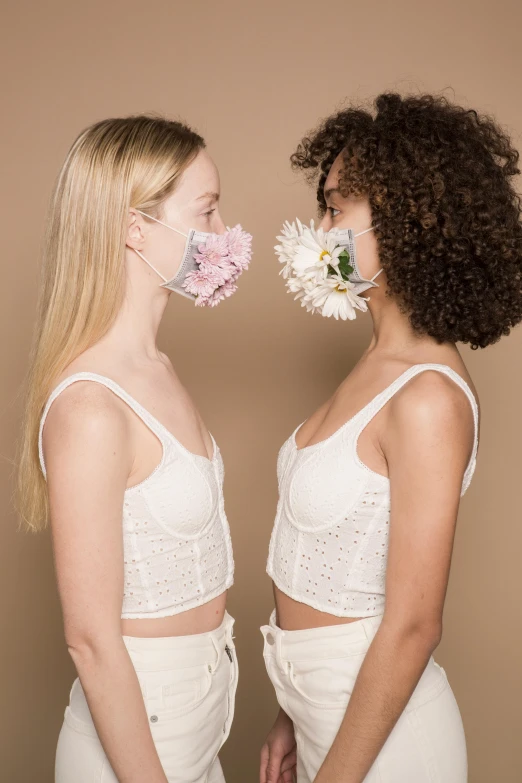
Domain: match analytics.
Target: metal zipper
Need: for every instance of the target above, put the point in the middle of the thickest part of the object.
(229, 653)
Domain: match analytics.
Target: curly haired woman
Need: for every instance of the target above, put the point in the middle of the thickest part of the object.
(419, 211)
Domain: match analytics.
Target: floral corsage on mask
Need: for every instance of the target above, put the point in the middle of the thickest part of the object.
(317, 269)
(220, 259)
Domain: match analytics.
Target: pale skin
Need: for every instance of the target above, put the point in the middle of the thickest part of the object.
(95, 447)
(422, 439)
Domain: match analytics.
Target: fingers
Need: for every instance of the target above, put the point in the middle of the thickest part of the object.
(265, 755)
(273, 771)
(270, 766)
(289, 776)
(289, 768)
(289, 761)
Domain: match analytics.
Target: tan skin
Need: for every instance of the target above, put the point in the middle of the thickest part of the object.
(422, 438)
(95, 447)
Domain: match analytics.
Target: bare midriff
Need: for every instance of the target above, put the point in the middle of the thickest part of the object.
(295, 616)
(201, 619)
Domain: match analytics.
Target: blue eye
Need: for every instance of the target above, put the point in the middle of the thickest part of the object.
(333, 211)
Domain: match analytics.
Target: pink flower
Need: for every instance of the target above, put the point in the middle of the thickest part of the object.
(217, 275)
(220, 294)
(214, 250)
(224, 271)
(221, 259)
(240, 247)
(202, 283)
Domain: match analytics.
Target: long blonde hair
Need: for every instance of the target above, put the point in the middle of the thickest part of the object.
(112, 166)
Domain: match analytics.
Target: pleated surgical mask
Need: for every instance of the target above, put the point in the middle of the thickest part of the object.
(210, 265)
(346, 238)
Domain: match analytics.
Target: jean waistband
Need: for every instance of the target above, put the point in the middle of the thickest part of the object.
(166, 652)
(330, 641)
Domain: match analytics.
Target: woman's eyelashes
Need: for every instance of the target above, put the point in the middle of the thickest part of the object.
(333, 212)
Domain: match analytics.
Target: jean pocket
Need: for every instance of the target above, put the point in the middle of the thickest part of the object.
(77, 713)
(432, 682)
(171, 693)
(325, 683)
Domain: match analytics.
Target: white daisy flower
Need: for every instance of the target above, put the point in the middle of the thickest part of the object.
(289, 241)
(336, 297)
(314, 253)
(300, 287)
(315, 274)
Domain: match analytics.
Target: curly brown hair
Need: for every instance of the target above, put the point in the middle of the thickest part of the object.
(439, 180)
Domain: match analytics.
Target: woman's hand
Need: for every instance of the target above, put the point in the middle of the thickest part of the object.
(278, 754)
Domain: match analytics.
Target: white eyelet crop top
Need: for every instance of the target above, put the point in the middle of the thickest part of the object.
(176, 540)
(329, 544)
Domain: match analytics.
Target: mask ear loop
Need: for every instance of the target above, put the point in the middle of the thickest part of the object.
(166, 226)
(360, 232)
(163, 224)
(148, 262)
(365, 232)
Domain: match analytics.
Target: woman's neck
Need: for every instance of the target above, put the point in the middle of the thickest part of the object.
(393, 334)
(133, 334)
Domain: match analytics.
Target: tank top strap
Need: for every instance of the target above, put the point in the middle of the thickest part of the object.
(383, 397)
(148, 419)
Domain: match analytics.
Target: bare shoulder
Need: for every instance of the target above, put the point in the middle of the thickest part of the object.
(86, 412)
(432, 402)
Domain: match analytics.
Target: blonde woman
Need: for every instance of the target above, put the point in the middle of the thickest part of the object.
(134, 479)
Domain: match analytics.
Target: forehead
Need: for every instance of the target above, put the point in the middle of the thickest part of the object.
(332, 180)
(201, 176)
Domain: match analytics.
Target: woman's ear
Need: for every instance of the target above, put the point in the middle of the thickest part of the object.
(135, 230)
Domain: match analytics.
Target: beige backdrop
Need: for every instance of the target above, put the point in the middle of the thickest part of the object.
(252, 77)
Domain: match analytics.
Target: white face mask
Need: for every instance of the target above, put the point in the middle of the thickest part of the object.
(321, 269)
(210, 265)
(346, 237)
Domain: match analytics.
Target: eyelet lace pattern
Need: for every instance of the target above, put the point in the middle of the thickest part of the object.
(329, 544)
(176, 539)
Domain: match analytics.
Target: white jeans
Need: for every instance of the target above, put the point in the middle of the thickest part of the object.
(188, 684)
(313, 672)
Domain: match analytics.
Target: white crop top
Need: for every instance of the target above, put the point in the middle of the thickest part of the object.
(329, 545)
(176, 539)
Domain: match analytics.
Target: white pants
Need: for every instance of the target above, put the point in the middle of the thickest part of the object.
(313, 672)
(188, 685)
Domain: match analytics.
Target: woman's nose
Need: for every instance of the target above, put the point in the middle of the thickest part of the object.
(219, 226)
(326, 222)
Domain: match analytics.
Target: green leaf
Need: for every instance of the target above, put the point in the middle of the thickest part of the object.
(345, 268)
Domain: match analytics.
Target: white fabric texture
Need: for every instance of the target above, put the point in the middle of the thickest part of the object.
(313, 672)
(189, 685)
(176, 538)
(329, 544)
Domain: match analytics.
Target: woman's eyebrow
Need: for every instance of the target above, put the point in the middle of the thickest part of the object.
(330, 192)
(211, 195)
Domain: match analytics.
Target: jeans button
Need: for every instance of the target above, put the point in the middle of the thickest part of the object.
(270, 638)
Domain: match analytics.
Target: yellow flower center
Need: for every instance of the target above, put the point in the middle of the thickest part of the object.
(323, 254)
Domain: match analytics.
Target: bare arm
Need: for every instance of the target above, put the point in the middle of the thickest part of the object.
(429, 437)
(88, 461)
